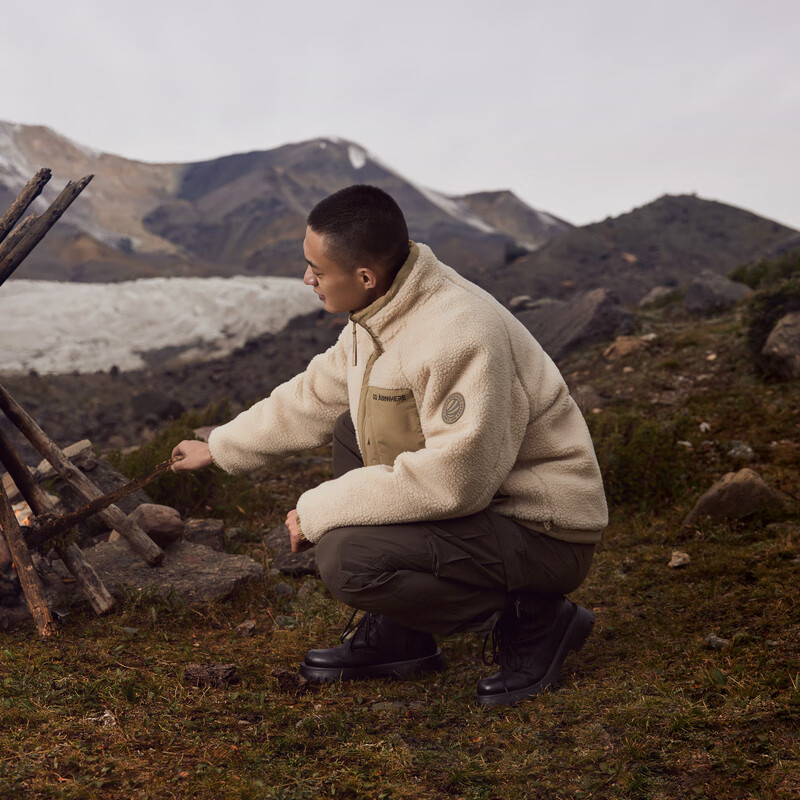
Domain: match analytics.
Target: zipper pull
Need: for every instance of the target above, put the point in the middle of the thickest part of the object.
(355, 346)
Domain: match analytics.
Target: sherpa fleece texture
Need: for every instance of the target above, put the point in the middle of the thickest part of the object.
(520, 436)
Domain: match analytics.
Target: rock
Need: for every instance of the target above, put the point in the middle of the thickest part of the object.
(741, 451)
(289, 563)
(562, 327)
(780, 356)
(307, 589)
(679, 559)
(283, 589)
(157, 404)
(246, 628)
(713, 641)
(208, 532)
(710, 292)
(657, 295)
(216, 675)
(161, 523)
(588, 398)
(734, 496)
(520, 303)
(191, 571)
(292, 682)
(81, 454)
(623, 346)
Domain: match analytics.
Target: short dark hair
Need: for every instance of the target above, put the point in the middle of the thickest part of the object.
(362, 226)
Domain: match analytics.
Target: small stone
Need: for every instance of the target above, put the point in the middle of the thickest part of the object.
(307, 589)
(246, 628)
(129, 631)
(234, 533)
(162, 524)
(114, 536)
(627, 369)
(741, 451)
(217, 675)
(284, 622)
(715, 642)
(704, 427)
(273, 573)
(292, 682)
(283, 589)
(388, 705)
(679, 559)
(711, 357)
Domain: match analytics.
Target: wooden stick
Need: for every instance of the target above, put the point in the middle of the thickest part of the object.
(31, 191)
(83, 572)
(16, 236)
(141, 543)
(55, 527)
(40, 227)
(26, 572)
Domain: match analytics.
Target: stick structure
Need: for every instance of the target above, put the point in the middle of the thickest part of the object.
(31, 191)
(141, 543)
(40, 227)
(73, 558)
(55, 527)
(23, 563)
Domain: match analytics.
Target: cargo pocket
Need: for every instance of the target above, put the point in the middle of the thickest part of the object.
(392, 425)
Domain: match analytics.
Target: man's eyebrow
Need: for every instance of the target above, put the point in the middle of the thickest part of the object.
(313, 266)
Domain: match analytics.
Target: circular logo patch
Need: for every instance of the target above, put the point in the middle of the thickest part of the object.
(453, 408)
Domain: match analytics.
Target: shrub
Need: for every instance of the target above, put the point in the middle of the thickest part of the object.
(643, 465)
(761, 273)
(766, 307)
(202, 493)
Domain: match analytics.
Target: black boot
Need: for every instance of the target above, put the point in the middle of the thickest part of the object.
(530, 642)
(377, 648)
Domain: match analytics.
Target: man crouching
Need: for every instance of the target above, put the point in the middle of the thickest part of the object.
(465, 480)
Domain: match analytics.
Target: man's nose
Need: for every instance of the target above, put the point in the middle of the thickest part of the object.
(308, 278)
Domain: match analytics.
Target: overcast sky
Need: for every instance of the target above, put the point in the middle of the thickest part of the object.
(584, 108)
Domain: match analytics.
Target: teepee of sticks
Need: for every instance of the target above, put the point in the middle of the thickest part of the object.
(16, 242)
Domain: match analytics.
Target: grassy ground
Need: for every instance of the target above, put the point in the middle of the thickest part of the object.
(647, 709)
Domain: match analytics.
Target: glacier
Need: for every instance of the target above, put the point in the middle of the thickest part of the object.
(56, 327)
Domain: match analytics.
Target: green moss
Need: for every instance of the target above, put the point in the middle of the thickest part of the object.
(767, 271)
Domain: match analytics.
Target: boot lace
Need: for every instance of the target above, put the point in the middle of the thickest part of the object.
(504, 639)
(358, 634)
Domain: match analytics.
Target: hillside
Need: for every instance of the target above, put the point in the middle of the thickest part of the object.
(665, 243)
(687, 688)
(238, 214)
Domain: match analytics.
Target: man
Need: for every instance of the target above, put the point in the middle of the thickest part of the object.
(465, 481)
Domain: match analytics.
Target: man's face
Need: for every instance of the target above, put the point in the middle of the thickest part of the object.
(338, 289)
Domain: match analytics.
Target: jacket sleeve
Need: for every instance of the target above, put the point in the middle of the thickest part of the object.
(466, 457)
(298, 415)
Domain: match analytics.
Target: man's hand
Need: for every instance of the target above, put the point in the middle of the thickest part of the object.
(298, 541)
(193, 455)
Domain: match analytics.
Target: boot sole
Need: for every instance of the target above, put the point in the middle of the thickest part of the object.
(574, 638)
(393, 669)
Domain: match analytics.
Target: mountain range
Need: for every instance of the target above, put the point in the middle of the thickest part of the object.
(245, 214)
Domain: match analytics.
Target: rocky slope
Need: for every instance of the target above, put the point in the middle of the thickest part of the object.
(665, 243)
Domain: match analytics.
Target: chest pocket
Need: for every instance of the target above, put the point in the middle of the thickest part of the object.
(391, 425)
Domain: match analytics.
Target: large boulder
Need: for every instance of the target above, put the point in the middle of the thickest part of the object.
(192, 571)
(780, 356)
(562, 327)
(735, 496)
(710, 292)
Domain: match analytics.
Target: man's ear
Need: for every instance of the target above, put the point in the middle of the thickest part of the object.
(368, 277)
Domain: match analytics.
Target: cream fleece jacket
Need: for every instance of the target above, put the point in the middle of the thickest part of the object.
(491, 419)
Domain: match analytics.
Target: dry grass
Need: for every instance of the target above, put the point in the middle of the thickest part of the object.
(647, 710)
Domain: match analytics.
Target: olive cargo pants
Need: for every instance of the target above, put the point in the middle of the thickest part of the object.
(446, 575)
